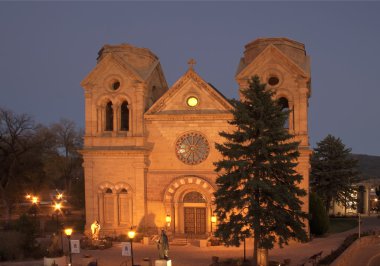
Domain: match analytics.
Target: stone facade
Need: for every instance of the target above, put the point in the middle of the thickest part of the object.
(149, 150)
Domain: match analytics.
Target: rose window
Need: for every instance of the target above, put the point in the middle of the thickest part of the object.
(192, 148)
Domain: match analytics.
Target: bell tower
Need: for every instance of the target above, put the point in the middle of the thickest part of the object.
(284, 66)
(125, 82)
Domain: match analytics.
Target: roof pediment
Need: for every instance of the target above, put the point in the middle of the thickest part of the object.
(137, 63)
(270, 55)
(174, 101)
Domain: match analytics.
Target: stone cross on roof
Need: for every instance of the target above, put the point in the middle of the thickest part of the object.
(191, 63)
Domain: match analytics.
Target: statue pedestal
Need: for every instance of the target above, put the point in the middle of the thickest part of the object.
(163, 263)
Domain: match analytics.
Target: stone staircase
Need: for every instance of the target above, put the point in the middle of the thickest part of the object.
(179, 242)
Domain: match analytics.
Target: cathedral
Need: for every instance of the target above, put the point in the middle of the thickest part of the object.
(149, 149)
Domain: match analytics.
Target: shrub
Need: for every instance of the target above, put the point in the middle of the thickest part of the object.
(11, 245)
(319, 221)
(28, 227)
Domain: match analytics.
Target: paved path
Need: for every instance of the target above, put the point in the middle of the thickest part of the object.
(191, 255)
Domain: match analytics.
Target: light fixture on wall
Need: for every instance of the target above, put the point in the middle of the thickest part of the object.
(213, 220)
(168, 220)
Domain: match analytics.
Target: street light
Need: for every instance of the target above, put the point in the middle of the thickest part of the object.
(35, 199)
(131, 235)
(68, 232)
(59, 196)
(57, 209)
(34, 208)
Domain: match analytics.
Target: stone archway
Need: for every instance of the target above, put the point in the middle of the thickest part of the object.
(189, 216)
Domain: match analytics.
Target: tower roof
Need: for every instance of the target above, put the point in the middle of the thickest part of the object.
(141, 60)
(292, 49)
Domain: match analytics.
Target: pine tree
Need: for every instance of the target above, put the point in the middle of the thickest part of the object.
(258, 193)
(333, 172)
(319, 220)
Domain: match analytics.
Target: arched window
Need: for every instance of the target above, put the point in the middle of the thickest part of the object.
(109, 117)
(124, 116)
(124, 207)
(283, 102)
(194, 197)
(108, 206)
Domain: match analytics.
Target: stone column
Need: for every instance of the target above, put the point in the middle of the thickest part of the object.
(291, 115)
(116, 118)
(98, 119)
(366, 199)
(304, 117)
(91, 203)
(89, 119)
(115, 222)
(100, 208)
(139, 109)
(176, 218)
(139, 202)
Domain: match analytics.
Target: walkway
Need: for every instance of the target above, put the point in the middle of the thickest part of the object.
(191, 255)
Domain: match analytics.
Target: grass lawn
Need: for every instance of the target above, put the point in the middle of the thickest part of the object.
(338, 225)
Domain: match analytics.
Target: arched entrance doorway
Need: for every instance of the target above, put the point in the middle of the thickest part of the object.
(194, 206)
(189, 202)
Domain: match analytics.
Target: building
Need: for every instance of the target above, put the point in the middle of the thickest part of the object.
(366, 202)
(149, 149)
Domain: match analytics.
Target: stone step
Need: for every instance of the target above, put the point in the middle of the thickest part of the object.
(179, 242)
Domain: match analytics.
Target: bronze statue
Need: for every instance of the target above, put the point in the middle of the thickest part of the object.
(163, 246)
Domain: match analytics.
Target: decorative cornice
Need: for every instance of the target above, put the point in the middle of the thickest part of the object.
(187, 117)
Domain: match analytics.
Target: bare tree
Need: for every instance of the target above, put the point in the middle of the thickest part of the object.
(68, 141)
(19, 165)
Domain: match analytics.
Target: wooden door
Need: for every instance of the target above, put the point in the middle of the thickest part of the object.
(195, 220)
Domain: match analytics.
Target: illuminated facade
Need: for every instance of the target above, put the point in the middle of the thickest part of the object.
(149, 150)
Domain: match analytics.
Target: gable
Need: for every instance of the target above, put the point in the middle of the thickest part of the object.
(270, 56)
(174, 101)
(109, 66)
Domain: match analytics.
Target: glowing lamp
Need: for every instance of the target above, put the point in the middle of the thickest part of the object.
(168, 219)
(68, 231)
(35, 200)
(131, 233)
(57, 206)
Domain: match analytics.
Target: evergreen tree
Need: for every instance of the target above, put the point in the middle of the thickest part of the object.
(258, 193)
(333, 172)
(319, 220)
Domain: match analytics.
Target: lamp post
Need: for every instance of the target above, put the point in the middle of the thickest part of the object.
(57, 209)
(68, 232)
(34, 208)
(131, 235)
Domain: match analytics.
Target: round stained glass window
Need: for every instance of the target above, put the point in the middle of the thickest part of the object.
(192, 101)
(192, 148)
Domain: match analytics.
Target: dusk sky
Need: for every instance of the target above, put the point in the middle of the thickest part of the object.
(46, 49)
